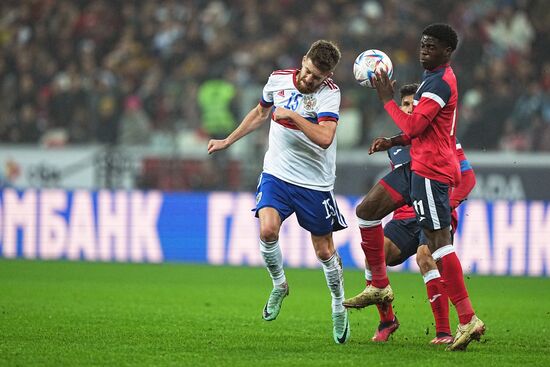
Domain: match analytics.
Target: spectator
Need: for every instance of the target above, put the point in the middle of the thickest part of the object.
(134, 125)
(215, 97)
(166, 54)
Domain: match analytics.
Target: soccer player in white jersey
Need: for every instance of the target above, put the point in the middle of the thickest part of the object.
(299, 171)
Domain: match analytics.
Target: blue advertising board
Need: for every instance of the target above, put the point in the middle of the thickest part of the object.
(501, 237)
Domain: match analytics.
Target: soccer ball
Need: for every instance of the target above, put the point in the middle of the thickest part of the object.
(367, 63)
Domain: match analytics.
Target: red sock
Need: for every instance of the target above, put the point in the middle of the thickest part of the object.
(439, 301)
(385, 311)
(372, 243)
(455, 287)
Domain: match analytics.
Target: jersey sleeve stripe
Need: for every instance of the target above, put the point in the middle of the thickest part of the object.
(327, 116)
(465, 165)
(330, 83)
(283, 72)
(434, 97)
(312, 119)
(265, 103)
(289, 124)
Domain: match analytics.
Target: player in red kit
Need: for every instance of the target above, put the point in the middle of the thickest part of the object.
(425, 184)
(403, 237)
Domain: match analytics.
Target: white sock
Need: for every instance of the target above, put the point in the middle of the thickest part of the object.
(442, 251)
(368, 275)
(334, 275)
(273, 259)
(430, 275)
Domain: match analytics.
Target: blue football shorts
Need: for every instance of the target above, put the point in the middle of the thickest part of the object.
(316, 211)
(429, 198)
(407, 235)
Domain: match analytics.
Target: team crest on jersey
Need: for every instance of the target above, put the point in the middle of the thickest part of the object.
(309, 102)
(281, 93)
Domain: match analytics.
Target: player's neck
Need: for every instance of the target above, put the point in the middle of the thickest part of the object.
(442, 66)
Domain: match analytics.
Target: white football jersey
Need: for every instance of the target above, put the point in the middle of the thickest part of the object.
(292, 156)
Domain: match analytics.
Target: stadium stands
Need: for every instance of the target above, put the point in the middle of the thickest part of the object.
(129, 73)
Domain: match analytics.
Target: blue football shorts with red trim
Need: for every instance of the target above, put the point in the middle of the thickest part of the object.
(316, 211)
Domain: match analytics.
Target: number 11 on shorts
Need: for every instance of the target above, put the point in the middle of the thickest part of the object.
(418, 207)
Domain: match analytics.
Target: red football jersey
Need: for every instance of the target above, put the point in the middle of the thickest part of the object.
(432, 126)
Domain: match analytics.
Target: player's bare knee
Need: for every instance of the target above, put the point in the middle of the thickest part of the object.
(323, 254)
(376, 205)
(438, 238)
(367, 210)
(424, 259)
(269, 233)
(362, 211)
(392, 252)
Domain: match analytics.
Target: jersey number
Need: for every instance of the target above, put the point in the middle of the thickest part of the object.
(418, 207)
(293, 101)
(329, 209)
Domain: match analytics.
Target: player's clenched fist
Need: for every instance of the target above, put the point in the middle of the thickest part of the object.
(379, 145)
(214, 145)
(281, 113)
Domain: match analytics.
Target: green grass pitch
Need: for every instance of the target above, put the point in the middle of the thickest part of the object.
(74, 314)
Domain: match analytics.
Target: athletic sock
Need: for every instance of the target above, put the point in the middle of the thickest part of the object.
(386, 310)
(454, 282)
(368, 277)
(273, 259)
(439, 301)
(334, 276)
(372, 243)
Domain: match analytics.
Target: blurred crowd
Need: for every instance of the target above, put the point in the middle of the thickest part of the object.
(167, 73)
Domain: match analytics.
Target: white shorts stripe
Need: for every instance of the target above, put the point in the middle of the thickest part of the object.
(431, 204)
(339, 215)
(259, 181)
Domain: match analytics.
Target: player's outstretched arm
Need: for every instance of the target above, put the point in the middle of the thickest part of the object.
(411, 124)
(251, 122)
(382, 144)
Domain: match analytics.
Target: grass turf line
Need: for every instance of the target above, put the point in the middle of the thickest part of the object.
(65, 313)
